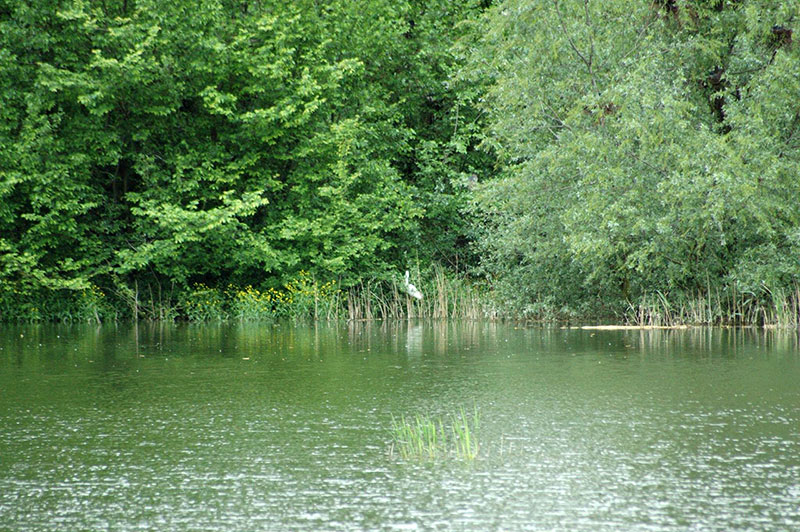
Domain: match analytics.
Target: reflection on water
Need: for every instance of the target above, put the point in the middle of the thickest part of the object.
(243, 427)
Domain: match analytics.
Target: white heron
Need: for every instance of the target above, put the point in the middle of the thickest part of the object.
(411, 289)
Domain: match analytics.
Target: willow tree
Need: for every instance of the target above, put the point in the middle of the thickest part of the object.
(646, 146)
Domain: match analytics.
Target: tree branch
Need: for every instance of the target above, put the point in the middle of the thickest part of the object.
(586, 61)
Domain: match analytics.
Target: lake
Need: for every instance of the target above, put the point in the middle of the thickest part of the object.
(242, 427)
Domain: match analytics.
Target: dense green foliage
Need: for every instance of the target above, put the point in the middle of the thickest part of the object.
(646, 146)
(148, 146)
(633, 152)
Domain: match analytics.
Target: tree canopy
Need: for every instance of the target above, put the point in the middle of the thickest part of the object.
(227, 141)
(645, 146)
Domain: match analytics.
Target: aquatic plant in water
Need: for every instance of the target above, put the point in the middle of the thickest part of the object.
(428, 437)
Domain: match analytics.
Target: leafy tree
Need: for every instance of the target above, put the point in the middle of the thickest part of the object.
(171, 143)
(646, 146)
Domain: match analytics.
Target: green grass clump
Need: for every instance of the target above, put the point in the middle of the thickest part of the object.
(426, 437)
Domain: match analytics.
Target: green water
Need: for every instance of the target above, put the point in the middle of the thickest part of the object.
(241, 428)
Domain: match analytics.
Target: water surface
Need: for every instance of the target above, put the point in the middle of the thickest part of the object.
(240, 427)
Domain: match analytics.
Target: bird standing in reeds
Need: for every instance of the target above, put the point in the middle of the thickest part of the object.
(411, 289)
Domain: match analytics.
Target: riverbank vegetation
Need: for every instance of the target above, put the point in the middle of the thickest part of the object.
(536, 159)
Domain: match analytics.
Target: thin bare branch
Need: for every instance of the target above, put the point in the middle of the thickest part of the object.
(586, 60)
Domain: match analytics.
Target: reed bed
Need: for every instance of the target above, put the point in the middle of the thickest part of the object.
(444, 297)
(779, 308)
